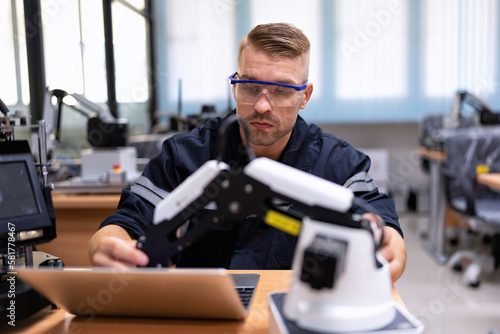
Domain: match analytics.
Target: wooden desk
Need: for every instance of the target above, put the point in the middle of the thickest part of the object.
(77, 218)
(257, 321)
(492, 180)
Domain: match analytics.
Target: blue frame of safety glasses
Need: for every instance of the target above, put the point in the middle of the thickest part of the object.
(260, 82)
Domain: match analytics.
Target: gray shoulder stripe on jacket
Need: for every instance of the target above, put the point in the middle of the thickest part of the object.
(147, 190)
(360, 182)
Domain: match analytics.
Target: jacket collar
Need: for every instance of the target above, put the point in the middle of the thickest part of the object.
(296, 152)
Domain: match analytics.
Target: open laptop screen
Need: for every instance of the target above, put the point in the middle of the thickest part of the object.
(143, 292)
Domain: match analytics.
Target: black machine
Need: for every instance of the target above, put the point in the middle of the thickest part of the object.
(434, 127)
(26, 220)
(25, 206)
(103, 129)
(486, 116)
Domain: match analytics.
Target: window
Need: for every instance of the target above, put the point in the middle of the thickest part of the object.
(63, 47)
(200, 52)
(7, 58)
(75, 60)
(306, 17)
(460, 47)
(74, 50)
(13, 64)
(371, 60)
(131, 52)
(371, 48)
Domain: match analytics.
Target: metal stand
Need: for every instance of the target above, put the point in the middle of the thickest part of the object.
(434, 241)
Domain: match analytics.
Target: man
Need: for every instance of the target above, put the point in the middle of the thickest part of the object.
(270, 86)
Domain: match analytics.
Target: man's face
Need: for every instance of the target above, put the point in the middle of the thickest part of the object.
(270, 126)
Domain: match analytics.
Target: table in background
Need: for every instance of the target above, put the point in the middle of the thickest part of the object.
(78, 217)
(257, 321)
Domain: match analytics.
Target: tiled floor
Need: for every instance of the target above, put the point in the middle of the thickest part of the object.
(436, 295)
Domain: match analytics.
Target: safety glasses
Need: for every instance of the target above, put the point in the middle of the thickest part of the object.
(279, 94)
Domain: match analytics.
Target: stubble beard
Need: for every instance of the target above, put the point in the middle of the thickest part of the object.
(266, 137)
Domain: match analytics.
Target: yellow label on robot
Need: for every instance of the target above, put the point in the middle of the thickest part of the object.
(482, 169)
(283, 222)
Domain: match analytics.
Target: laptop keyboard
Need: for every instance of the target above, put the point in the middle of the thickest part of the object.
(245, 293)
(245, 285)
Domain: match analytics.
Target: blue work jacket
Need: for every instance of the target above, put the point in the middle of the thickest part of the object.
(251, 244)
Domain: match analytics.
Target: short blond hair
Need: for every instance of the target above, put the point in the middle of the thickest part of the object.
(277, 39)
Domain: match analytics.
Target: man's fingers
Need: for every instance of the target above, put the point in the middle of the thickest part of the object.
(376, 222)
(111, 250)
(394, 250)
(102, 260)
(396, 268)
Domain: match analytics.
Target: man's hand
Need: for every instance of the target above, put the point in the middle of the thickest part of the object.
(115, 252)
(111, 246)
(393, 248)
(394, 251)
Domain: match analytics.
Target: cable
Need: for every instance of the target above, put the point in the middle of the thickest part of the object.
(371, 209)
(3, 108)
(223, 136)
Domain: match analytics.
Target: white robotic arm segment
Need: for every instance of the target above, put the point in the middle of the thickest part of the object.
(303, 187)
(360, 298)
(235, 194)
(340, 281)
(102, 111)
(188, 191)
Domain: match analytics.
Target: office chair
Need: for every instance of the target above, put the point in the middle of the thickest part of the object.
(466, 151)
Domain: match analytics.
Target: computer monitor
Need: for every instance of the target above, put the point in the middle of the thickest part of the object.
(23, 206)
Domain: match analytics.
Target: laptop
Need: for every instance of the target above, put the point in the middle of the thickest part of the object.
(145, 292)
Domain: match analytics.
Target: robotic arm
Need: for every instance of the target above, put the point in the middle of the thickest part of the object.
(483, 112)
(263, 182)
(103, 129)
(340, 281)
